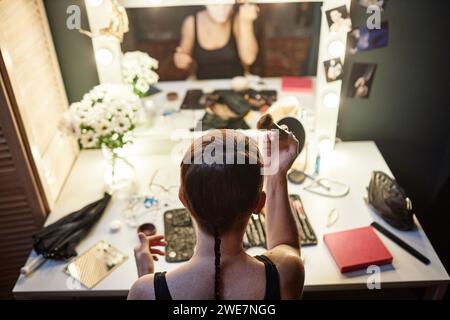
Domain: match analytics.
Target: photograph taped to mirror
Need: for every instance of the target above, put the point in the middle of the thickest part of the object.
(95, 264)
(361, 79)
(339, 19)
(334, 69)
(368, 3)
(363, 39)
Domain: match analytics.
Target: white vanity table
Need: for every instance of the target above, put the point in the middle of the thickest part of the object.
(350, 162)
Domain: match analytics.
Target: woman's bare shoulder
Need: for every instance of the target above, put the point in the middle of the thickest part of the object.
(142, 289)
(290, 269)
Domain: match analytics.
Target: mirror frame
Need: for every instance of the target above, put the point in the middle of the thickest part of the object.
(325, 116)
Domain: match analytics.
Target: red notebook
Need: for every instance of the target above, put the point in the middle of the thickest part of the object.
(357, 249)
(297, 84)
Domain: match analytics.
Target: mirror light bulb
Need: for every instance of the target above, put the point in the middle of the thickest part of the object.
(95, 3)
(325, 146)
(331, 100)
(336, 48)
(104, 56)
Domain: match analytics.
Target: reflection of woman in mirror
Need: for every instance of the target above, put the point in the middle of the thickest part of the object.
(220, 42)
(339, 23)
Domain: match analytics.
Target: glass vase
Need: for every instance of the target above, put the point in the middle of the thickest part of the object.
(149, 111)
(119, 172)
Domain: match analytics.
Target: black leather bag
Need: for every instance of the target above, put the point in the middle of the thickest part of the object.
(389, 200)
(234, 102)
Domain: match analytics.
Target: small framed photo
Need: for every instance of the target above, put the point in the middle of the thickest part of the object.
(361, 79)
(334, 69)
(339, 20)
(363, 39)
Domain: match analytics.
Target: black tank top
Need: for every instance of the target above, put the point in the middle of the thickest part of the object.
(219, 63)
(272, 282)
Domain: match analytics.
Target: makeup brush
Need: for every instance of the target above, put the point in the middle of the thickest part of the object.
(266, 123)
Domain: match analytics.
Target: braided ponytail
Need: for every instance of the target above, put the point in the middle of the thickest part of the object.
(217, 243)
(219, 195)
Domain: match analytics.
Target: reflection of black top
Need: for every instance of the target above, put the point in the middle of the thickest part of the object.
(219, 63)
(272, 282)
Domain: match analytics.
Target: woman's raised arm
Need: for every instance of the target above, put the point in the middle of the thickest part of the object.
(280, 223)
(183, 54)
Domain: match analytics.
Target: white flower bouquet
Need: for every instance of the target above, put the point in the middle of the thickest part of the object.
(138, 71)
(104, 117)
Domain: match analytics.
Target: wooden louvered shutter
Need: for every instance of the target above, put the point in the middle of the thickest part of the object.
(38, 89)
(35, 158)
(22, 210)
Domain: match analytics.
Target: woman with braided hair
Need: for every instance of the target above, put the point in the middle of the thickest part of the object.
(221, 186)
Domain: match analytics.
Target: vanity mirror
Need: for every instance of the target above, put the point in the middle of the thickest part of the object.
(199, 39)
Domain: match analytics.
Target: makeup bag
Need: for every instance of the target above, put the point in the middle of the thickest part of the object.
(389, 201)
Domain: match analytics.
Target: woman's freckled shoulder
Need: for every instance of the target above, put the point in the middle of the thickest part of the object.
(142, 289)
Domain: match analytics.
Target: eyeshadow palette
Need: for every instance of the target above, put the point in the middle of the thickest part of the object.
(180, 235)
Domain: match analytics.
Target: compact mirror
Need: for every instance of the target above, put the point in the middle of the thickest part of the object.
(297, 129)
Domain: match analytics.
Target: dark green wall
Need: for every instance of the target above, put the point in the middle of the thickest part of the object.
(74, 50)
(408, 112)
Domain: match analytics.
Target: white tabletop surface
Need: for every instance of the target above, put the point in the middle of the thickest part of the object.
(350, 162)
